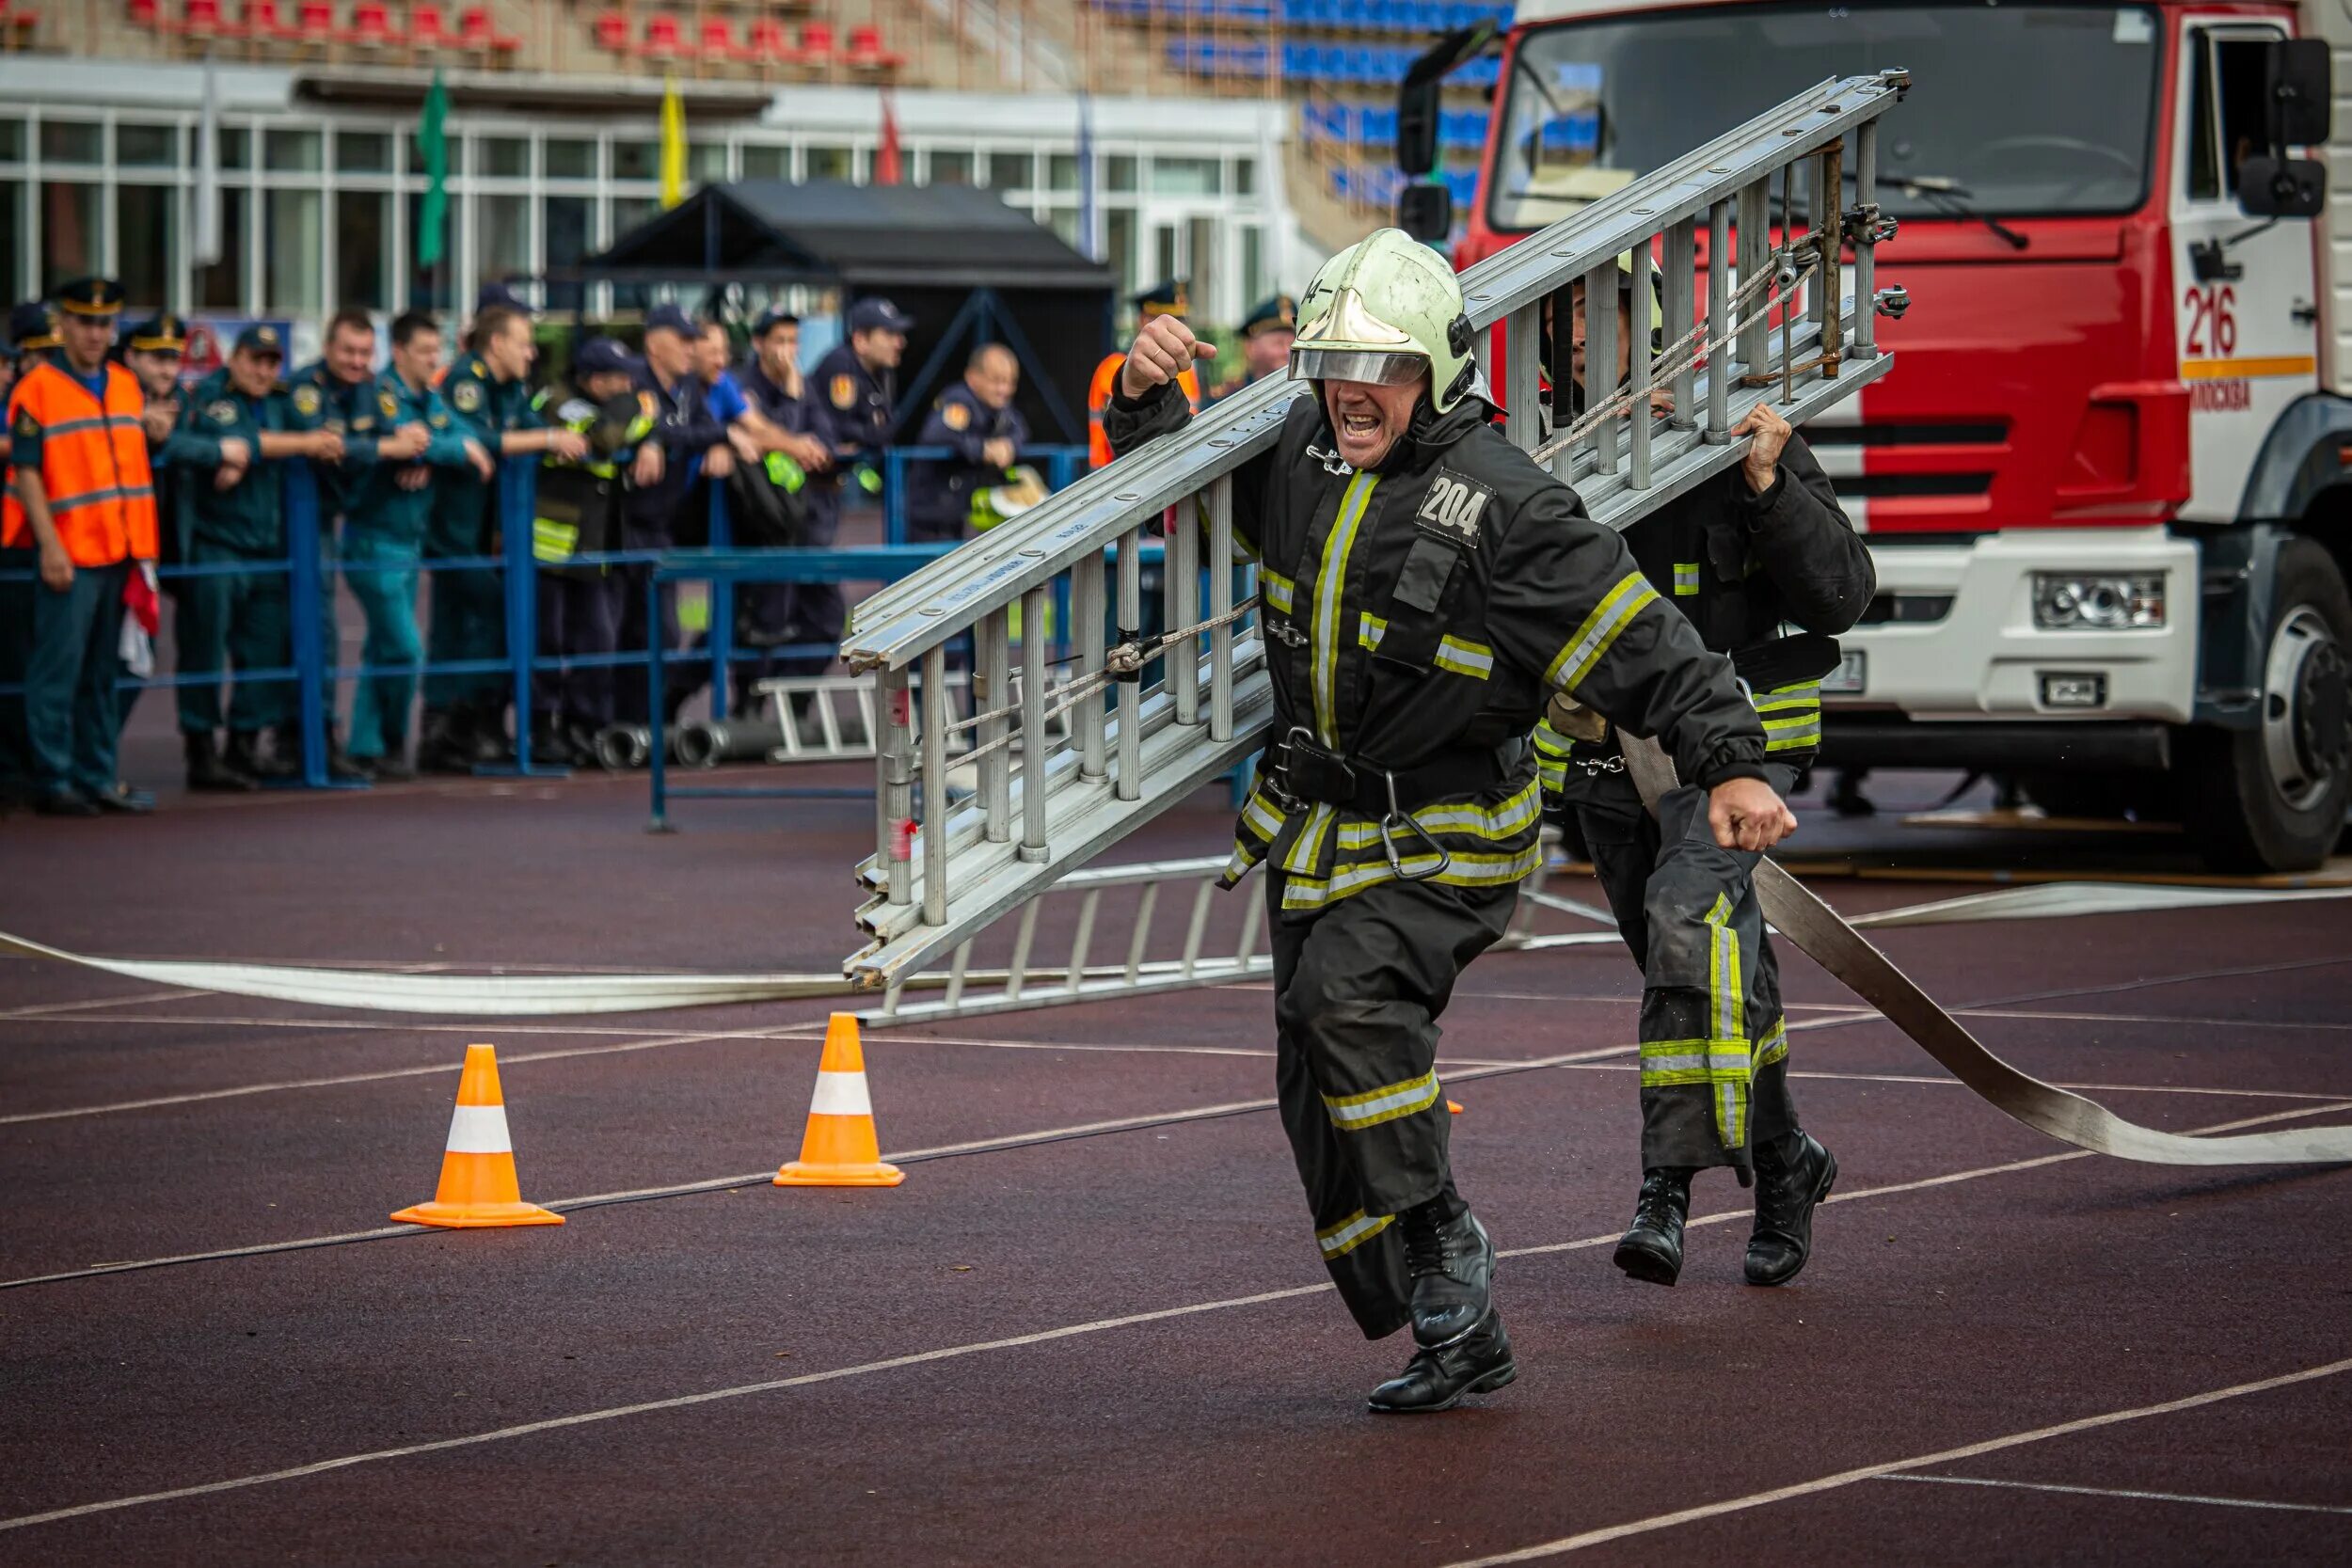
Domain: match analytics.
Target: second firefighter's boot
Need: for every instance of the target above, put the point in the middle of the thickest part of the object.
(1651, 1250)
(1453, 1265)
(1477, 1363)
(1788, 1188)
(340, 768)
(549, 744)
(482, 726)
(439, 749)
(206, 771)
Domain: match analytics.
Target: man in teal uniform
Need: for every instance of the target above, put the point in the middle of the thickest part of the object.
(384, 538)
(489, 395)
(338, 391)
(236, 524)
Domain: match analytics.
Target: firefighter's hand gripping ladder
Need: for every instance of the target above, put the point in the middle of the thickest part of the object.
(1041, 812)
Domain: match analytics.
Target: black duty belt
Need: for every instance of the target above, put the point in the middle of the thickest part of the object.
(1299, 772)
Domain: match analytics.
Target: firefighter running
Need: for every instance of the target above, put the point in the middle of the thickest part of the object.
(1424, 588)
(1758, 546)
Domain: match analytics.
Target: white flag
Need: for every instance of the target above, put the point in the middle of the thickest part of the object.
(205, 248)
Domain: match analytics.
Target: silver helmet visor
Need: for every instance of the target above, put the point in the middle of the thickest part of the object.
(1309, 363)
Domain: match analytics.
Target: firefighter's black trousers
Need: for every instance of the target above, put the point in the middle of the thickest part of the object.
(1714, 1044)
(1359, 986)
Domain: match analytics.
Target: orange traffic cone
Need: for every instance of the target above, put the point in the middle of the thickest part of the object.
(839, 1148)
(478, 1186)
(1453, 1107)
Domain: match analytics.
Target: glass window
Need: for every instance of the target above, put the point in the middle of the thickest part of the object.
(829, 163)
(146, 146)
(70, 238)
(508, 157)
(363, 152)
(363, 249)
(291, 153)
(569, 158)
(221, 286)
(2239, 65)
(236, 148)
(1061, 171)
(1064, 222)
(12, 141)
(146, 242)
(435, 288)
(1204, 279)
(295, 239)
(705, 159)
(766, 161)
(70, 141)
(1010, 171)
(569, 234)
(1163, 254)
(13, 283)
(1119, 172)
(1184, 175)
(951, 168)
(1595, 105)
(1245, 176)
(1255, 285)
(630, 211)
(501, 238)
(636, 160)
(1119, 247)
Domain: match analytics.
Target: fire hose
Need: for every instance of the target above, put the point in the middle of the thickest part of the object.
(1822, 935)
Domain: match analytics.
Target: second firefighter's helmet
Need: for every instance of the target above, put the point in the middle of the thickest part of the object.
(1385, 309)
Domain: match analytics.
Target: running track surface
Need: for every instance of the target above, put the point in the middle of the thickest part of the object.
(1091, 1326)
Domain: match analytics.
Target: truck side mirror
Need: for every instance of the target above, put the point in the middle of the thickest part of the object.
(2281, 187)
(1417, 127)
(1425, 213)
(2296, 92)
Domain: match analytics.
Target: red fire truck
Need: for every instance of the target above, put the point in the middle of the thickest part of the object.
(2110, 487)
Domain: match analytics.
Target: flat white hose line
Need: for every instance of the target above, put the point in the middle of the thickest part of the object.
(560, 995)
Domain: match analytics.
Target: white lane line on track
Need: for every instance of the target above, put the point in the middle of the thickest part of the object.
(1874, 1472)
(717, 1183)
(1933, 1081)
(43, 1012)
(2159, 1018)
(1261, 1298)
(2124, 1493)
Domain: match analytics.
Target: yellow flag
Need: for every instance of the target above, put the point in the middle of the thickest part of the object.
(673, 144)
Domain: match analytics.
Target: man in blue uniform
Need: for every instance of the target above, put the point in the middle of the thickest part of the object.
(489, 395)
(237, 615)
(384, 539)
(976, 418)
(794, 459)
(338, 391)
(660, 477)
(853, 391)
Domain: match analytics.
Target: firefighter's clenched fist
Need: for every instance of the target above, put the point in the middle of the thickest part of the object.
(1164, 350)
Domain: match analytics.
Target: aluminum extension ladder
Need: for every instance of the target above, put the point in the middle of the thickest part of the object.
(933, 885)
(833, 718)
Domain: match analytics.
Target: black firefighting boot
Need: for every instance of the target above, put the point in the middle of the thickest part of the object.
(1791, 1177)
(207, 773)
(1652, 1251)
(549, 744)
(440, 747)
(245, 756)
(1453, 1265)
(340, 768)
(1477, 1363)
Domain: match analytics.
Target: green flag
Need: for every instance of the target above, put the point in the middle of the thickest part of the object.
(433, 147)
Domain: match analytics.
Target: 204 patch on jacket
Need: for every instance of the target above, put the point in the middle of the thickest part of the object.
(1455, 506)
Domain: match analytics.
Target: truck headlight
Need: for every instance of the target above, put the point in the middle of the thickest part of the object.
(2097, 601)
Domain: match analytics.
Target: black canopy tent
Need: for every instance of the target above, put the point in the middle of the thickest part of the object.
(968, 267)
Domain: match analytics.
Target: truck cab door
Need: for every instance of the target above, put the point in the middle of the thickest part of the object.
(2245, 298)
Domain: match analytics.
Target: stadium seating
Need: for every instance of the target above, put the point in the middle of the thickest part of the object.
(427, 30)
(865, 51)
(203, 19)
(1298, 16)
(372, 26)
(665, 39)
(478, 30)
(314, 22)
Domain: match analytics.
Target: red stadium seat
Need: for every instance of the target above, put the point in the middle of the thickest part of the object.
(372, 25)
(146, 15)
(718, 41)
(203, 19)
(816, 43)
(866, 53)
(265, 19)
(664, 38)
(315, 22)
(475, 30)
(428, 30)
(612, 30)
(768, 45)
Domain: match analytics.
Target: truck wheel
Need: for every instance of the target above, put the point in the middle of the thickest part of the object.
(2272, 799)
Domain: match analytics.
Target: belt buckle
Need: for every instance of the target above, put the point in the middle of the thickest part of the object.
(1387, 838)
(1313, 773)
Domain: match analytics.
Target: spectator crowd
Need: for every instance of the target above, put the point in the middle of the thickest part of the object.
(117, 467)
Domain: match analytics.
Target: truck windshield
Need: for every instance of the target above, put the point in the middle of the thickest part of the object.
(2018, 110)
